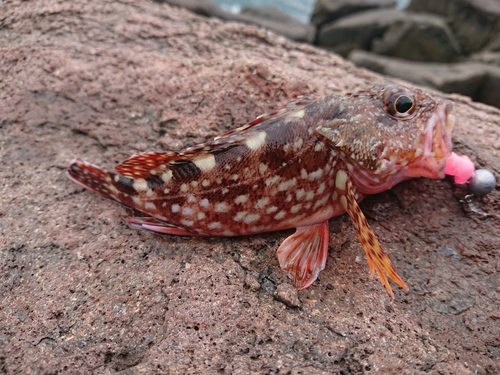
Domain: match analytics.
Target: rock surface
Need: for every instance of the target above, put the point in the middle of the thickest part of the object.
(82, 293)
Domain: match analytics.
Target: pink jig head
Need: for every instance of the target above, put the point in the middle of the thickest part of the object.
(481, 181)
(460, 167)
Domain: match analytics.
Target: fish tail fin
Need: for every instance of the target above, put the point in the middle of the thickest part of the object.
(108, 184)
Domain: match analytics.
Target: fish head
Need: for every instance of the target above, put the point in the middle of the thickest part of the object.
(391, 133)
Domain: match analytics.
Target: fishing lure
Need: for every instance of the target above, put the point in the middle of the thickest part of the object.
(296, 167)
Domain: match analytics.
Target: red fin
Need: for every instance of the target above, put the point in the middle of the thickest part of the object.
(303, 255)
(378, 260)
(158, 226)
(141, 165)
(91, 176)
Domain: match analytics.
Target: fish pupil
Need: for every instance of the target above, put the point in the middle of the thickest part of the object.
(403, 104)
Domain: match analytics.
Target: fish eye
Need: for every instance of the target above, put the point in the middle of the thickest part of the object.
(400, 104)
(403, 104)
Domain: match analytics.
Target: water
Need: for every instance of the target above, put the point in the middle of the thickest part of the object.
(299, 9)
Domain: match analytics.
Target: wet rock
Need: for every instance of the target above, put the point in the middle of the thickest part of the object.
(479, 81)
(326, 11)
(475, 23)
(417, 37)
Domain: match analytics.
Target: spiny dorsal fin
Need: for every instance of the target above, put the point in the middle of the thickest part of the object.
(146, 165)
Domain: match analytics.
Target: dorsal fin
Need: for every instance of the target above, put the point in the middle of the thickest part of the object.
(277, 112)
(146, 165)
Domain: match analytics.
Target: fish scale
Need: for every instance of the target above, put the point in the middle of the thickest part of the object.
(295, 167)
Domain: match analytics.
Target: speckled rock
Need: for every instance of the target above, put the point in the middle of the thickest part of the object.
(82, 293)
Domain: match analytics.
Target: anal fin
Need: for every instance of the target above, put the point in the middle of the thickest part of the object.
(153, 225)
(303, 255)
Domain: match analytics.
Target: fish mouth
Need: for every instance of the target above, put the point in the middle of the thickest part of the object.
(437, 145)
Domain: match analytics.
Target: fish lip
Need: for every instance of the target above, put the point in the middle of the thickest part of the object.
(437, 143)
(436, 148)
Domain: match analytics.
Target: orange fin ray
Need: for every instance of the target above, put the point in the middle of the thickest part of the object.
(303, 254)
(377, 259)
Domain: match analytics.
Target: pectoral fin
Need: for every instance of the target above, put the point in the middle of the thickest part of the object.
(303, 255)
(378, 260)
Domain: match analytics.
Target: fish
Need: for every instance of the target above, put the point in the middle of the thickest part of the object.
(295, 167)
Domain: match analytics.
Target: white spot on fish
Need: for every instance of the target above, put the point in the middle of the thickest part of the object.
(303, 174)
(320, 202)
(150, 206)
(176, 208)
(321, 188)
(271, 209)
(316, 174)
(194, 183)
(204, 203)
(298, 114)
(261, 203)
(240, 199)
(300, 193)
(201, 215)
(240, 215)
(184, 188)
(257, 140)
(309, 195)
(167, 176)
(221, 207)
(262, 168)
(140, 184)
(341, 180)
(187, 223)
(285, 185)
(272, 180)
(205, 183)
(235, 177)
(295, 208)
(166, 191)
(251, 218)
(298, 144)
(280, 215)
(318, 147)
(214, 225)
(137, 200)
(205, 162)
(191, 198)
(187, 211)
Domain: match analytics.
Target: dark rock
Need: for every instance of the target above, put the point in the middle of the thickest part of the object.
(326, 11)
(416, 37)
(486, 57)
(475, 23)
(479, 81)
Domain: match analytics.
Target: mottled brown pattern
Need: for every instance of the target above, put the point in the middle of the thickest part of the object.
(295, 167)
